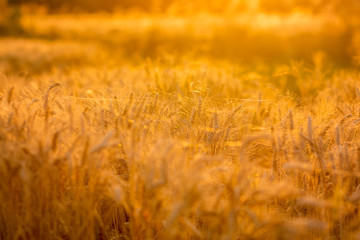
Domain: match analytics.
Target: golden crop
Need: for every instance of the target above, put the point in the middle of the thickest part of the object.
(204, 126)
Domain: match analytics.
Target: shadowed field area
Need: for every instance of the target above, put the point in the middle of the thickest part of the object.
(167, 120)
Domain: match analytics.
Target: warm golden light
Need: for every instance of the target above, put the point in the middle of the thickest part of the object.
(177, 119)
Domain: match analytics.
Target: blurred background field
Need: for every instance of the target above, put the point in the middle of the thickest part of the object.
(244, 32)
(171, 119)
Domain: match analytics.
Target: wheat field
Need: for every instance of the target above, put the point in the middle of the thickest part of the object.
(163, 126)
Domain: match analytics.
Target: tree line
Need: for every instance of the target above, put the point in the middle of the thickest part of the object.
(278, 6)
